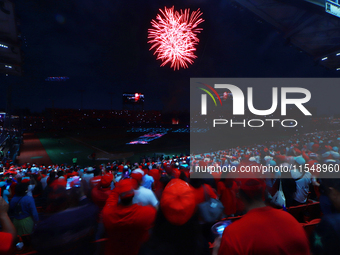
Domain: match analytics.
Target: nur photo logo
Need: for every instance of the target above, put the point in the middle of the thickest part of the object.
(238, 104)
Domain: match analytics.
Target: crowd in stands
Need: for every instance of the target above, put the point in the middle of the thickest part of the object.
(72, 119)
(151, 207)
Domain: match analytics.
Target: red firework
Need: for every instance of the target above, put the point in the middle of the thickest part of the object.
(174, 36)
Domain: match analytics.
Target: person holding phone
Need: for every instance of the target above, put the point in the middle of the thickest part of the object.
(263, 229)
(70, 228)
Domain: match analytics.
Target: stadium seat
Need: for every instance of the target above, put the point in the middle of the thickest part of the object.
(305, 213)
(100, 245)
(103, 240)
(314, 211)
(310, 226)
(234, 218)
(40, 209)
(297, 212)
(315, 221)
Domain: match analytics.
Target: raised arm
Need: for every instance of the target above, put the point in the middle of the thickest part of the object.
(5, 221)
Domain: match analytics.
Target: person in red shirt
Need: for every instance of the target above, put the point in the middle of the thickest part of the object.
(177, 229)
(126, 224)
(8, 233)
(262, 230)
(101, 192)
(227, 190)
(202, 190)
(157, 186)
(95, 181)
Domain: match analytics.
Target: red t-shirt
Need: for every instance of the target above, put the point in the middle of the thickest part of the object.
(228, 197)
(157, 185)
(156, 175)
(305, 156)
(127, 227)
(100, 195)
(12, 188)
(200, 193)
(265, 231)
(6, 241)
(94, 181)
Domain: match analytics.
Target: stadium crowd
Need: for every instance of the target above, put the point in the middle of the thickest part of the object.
(158, 206)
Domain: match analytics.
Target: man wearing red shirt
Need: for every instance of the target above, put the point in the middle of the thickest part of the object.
(94, 181)
(8, 230)
(227, 190)
(101, 192)
(203, 192)
(262, 230)
(126, 224)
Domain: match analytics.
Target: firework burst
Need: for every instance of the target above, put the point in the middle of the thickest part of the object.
(174, 36)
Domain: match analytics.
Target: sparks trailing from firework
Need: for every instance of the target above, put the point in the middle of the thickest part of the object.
(174, 36)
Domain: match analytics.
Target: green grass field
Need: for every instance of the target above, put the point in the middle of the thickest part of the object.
(109, 145)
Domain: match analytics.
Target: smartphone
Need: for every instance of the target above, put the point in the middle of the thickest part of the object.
(218, 228)
(68, 183)
(75, 180)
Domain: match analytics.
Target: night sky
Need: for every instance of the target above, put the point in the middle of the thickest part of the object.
(101, 45)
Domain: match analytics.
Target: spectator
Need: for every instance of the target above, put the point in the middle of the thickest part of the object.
(31, 186)
(8, 233)
(263, 229)
(100, 193)
(126, 224)
(5, 190)
(227, 190)
(302, 180)
(60, 174)
(148, 180)
(70, 230)
(96, 179)
(325, 203)
(38, 189)
(157, 185)
(177, 230)
(202, 190)
(143, 196)
(325, 239)
(89, 173)
(22, 207)
(48, 189)
(288, 187)
(43, 179)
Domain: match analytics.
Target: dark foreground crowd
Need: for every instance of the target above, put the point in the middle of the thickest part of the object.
(156, 207)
